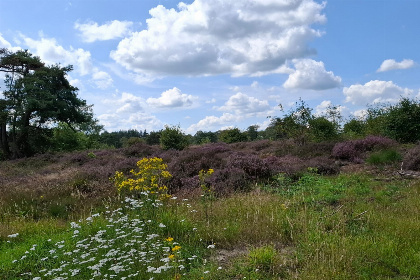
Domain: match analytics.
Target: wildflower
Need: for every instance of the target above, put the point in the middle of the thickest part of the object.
(211, 246)
(161, 225)
(13, 235)
(176, 248)
(171, 256)
(169, 239)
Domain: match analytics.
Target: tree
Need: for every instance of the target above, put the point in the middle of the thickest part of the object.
(232, 135)
(402, 121)
(294, 124)
(173, 138)
(37, 97)
(201, 137)
(322, 129)
(252, 132)
(354, 128)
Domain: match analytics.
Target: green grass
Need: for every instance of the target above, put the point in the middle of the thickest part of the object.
(317, 227)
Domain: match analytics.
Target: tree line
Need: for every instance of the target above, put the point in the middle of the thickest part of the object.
(40, 111)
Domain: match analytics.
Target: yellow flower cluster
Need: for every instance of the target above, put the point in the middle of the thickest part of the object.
(150, 177)
(203, 175)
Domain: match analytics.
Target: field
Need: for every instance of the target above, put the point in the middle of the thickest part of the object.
(258, 210)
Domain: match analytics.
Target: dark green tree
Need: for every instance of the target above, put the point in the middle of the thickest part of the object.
(252, 132)
(354, 128)
(402, 121)
(172, 137)
(232, 135)
(36, 98)
(322, 129)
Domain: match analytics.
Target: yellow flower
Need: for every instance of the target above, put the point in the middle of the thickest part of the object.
(176, 248)
(171, 256)
(169, 239)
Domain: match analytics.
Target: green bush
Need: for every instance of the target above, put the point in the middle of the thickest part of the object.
(173, 138)
(384, 157)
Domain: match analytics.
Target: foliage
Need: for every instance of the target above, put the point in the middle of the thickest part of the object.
(353, 150)
(202, 137)
(411, 160)
(354, 128)
(173, 138)
(383, 157)
(293, 125)
(403, 121)
(252, 132)
(322, 129)
(36, 97)
(154, 137)
(232, 135)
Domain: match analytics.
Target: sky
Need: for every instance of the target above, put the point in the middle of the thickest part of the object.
(215, 64)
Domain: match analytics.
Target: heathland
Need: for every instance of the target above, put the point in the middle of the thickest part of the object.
(264, 209)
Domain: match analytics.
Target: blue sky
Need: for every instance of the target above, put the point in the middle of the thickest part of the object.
(208, 65)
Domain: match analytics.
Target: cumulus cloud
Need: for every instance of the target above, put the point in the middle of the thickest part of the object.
(91, 31)
(139, 121)
(249, 37)
(391, 64)
(214, 123)
(127, 103)
(102, 79)
(311, 74)
(172, 98)
(51, 53)
(241, 104)
(375, 92)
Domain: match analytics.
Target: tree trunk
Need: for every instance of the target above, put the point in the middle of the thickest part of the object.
(3, 141)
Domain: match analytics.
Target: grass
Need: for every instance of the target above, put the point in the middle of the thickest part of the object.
(315, 227)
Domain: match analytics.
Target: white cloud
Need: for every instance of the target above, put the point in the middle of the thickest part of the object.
(139, 121)
(248, 37)
(91, 31)
(172, 98)
(241, 104)
(311, 74)
(4, 43)
(211, 123)
(375, 92)
(51, 53)
(127, 103)
(102, 79)
(391, 64)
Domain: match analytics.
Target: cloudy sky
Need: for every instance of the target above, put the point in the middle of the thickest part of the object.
(212, 64)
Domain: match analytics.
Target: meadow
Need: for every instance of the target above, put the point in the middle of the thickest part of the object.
(257, 210)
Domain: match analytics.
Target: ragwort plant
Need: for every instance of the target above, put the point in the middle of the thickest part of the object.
(149, 180)
(207, 192)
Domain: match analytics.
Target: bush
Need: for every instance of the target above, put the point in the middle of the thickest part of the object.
(232, 136)
(384, 157)
(346, 151)
(173, 138)
(411, 160)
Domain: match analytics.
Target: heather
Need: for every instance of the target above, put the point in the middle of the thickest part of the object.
(251, 210)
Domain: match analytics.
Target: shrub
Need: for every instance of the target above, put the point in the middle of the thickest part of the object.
(252, 165)
(232, 135)
(322, 129)
(411, 160)
(173, 138)
(384, 157)
(149, 180)
(373, 142)
(346, 151)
